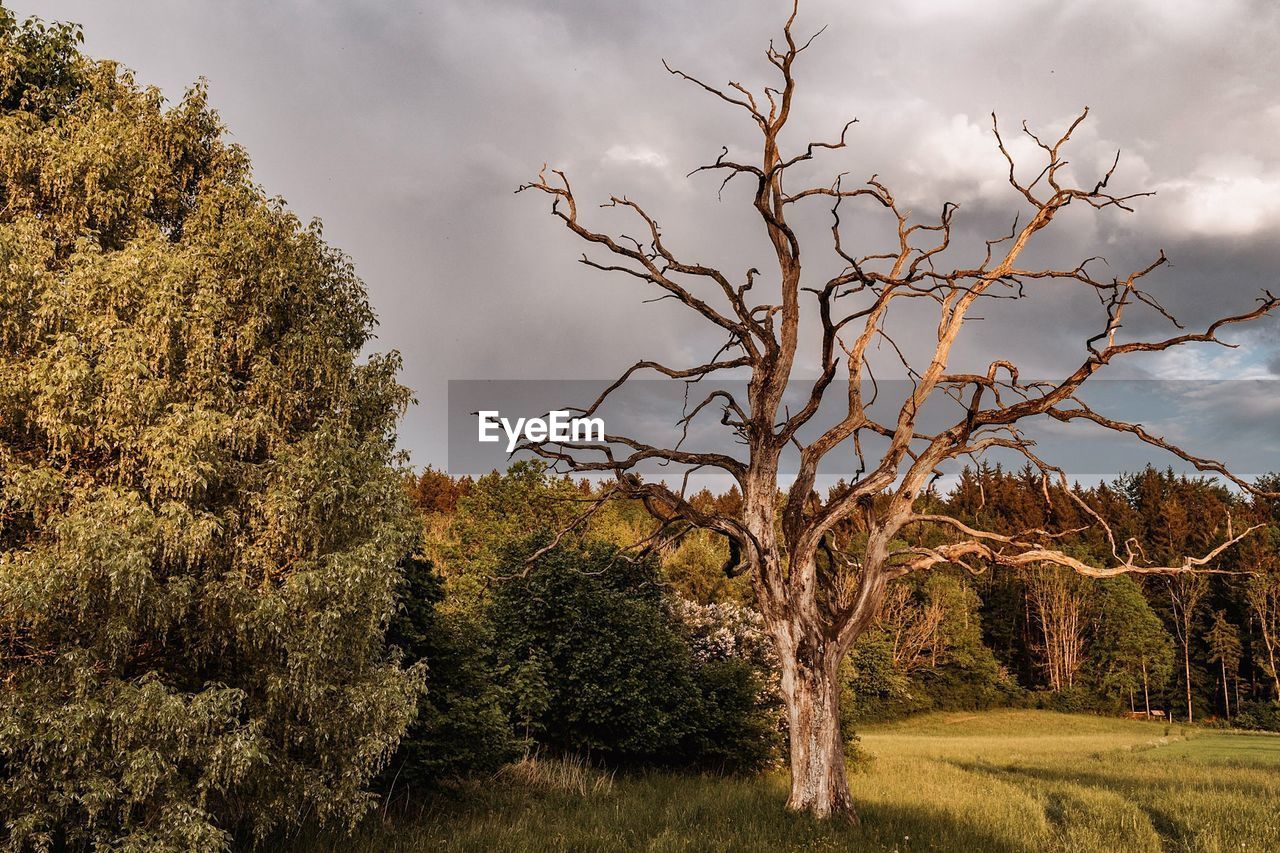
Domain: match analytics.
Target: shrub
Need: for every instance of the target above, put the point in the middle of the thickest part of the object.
(601, 666)
(1073, 700)
(736, 669)
(588, 624)
(1258, 716)
(461, 727)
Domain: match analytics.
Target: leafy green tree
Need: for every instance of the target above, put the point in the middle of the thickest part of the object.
(875, 685)
(200, 515)
(963, 673)
(696, 570)
(1225, 650)
(1178, 514)
(498, 511)
(531, 694)
(1131, 652)
(926, 652)
(1261, 557)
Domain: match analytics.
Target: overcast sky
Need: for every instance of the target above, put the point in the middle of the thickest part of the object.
(405, 126)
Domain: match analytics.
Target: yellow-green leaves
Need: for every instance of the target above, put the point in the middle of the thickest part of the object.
(200, 517)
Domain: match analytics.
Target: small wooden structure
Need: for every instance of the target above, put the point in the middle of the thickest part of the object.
(1153, 714)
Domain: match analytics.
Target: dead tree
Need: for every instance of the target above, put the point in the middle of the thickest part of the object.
(1263, 596)
(818, 592)
(914, 628)
(1185, 594)
(1059, 607)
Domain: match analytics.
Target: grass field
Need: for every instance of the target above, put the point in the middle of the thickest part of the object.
(1000, 780)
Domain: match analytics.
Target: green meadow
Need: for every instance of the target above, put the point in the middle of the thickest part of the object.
(992, 781)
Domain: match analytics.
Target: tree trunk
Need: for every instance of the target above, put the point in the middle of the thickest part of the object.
(1186, 661)
(1146, 692)
(819, 777)
(1271, 656)
(1226, 693)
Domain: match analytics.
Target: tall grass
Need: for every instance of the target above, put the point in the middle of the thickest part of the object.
(999, 781)
(562, 774)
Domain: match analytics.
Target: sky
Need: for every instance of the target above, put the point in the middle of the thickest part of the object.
(406, 126)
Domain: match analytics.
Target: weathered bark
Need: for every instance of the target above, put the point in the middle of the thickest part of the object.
(819, 775)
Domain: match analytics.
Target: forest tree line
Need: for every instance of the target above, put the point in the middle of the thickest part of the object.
(1199, 646)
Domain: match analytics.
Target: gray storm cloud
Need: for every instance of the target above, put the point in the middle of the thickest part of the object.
(406, 126)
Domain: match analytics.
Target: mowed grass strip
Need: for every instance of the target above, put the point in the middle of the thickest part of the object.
(1108, 784)
(1245, 748)
(995, 781)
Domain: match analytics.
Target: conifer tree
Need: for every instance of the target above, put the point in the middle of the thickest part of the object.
(1225, 650)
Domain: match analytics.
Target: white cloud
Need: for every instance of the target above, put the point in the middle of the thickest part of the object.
(1225, 196)
(962, 153)
(635, 155)
(1189, 18)
(1209, 362)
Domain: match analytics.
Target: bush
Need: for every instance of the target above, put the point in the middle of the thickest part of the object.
(599, 665)
(461, 727)
(736, 669)
(1258, 716)
(1073, 700)
(586, 626)
(874, 689)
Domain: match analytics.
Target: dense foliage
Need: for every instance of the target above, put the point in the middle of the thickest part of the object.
(200, 517)
(461, 726)
(601, 668)
(925, 653)
(589, 662)
(949, 640)
(587, 648)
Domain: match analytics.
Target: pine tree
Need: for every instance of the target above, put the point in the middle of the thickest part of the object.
(1225, 650)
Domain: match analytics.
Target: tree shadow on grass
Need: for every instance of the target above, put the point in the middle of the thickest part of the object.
(1118, 780)
(901, 827)
(668, 815)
